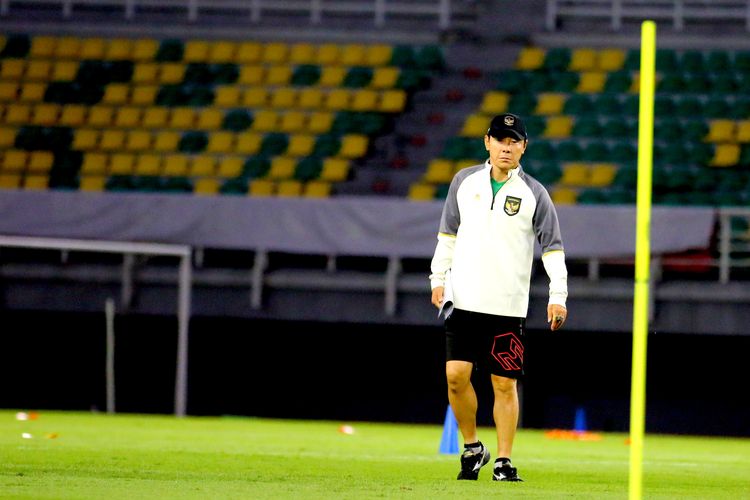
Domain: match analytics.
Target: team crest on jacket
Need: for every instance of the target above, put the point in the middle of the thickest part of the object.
(512, 205)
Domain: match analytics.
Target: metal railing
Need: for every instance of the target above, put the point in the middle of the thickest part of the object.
(255, 10)
(678, 13)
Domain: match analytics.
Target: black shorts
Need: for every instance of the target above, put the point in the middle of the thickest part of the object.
(494, 343)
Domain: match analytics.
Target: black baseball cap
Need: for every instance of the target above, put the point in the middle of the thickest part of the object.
(507, 125)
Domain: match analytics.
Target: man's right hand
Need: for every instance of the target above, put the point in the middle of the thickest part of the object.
(437, 296)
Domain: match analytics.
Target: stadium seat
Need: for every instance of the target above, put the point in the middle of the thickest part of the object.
(530, 58)
(248, 143)
(421, 192)
(230, 166)
(335, 169)
(439, 170)
(202, 166)
(558, 127)
(282, 167)
(262, 187)
(494, 102)
(248, 52)
(583, 59)
(721, 131)
(147, 164)
(610, 60)
(317, 189)
(549, 103)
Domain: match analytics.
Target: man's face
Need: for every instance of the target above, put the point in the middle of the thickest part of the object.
(505, 153)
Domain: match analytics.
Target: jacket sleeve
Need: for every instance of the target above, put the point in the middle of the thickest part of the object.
(547, 229)
(449, 222)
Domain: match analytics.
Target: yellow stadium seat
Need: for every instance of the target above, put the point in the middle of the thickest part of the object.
(421, 192)
(210, 119)
(337, 99)
(320, 122)
(145, 72)
(300, 145)
(262, 187)
(202, 166)
(385, 77)
(166, 141)
(116, 93)
(475, 125)
(353, 54)
(121, 164)
(128, 116)
(222, 51)
(564, 196)
(583, 59)
(439, 171)
(558, 127)
(64, 71)
(275, 52)
(32, 92)
(317, 189)
(464, 163)
(182, 118)
(248, 52)
(85, 139)
(196, 51)
(38, 70)
(112, 140)
(248, 143)
(725, 155)
(119, 49)
(550, 103)
(635, 85)
(147, 164)
(530, 58)
(592, 82)
(100, 116)
(145, 49)
(602, 174)
(743, 131)
(365, 100)
(255, 97)
(93, 48)
(611, 59)
(206, 186)
(289, 188)
(721, 131)
(138, 140)
(175, 165)
(335, 170)
(328, 54)
(378, 54)
(155, 117)
(42, 47)
(302, 53)
(265, 121)
(8, 91)
(293, 121)
(94, 164)
(73, 115)
(93, 183)
(392, 101)
(40, 161)
(68, 47)
(12, 69)
(494, 102)
(575, 174)
(17, 114)
(10, 181)
(282, 167)
(353, 146)
(310, 98)
(284, 97)
(220, 142)
(15, 160)
(230, 167)
(36, 181)
(143, 95)
(171, 72)
(227, 96)
(332, 76)
(7, 137)
(45, 114)
(278, 75)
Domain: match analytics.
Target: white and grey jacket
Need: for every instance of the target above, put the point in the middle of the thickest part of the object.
(487, 242)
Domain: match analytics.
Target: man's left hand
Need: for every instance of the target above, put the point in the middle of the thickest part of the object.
(556, 316)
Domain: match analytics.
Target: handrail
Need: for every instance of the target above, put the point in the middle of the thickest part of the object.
(677, 12)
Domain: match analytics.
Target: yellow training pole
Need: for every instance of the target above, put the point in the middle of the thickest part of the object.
(642, 257)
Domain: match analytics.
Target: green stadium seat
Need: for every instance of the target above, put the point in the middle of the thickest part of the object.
(587, 127)
(578, 105)
(718, 61)
(274, 144)
(595, 152)
(688, 106)
(623, 152)
(663, 106)
(193, 142)
(512, 81)
(618, 81)
(305, 75)
(618, 128)
(698, 83)
(430, 57)
(632, 60)
(557, 59)
(308, 168)
(327, 145)
(535, 125)
(565, 81)
(607, 105)
(522, 104)
(403, 56)
(666, 60)
(255, 167)
(539, 150)
(723, 83)
(17, 46)
(358, 77)
(170, 50)
(569, 151)
(668, 129)
(695, 130)
(692, 61)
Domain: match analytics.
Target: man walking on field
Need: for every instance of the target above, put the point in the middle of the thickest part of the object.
(480, 276)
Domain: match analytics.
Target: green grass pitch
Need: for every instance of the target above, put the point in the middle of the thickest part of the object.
(84, 455)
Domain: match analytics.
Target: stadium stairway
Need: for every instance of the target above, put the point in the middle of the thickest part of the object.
(435, 114)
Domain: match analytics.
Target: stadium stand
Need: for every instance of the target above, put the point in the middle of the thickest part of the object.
(139, 112)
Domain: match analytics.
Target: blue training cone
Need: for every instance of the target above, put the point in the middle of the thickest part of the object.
(449, 441)
(580, 420)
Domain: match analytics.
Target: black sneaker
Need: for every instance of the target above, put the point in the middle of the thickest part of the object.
(471, 462)
(505, 472)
